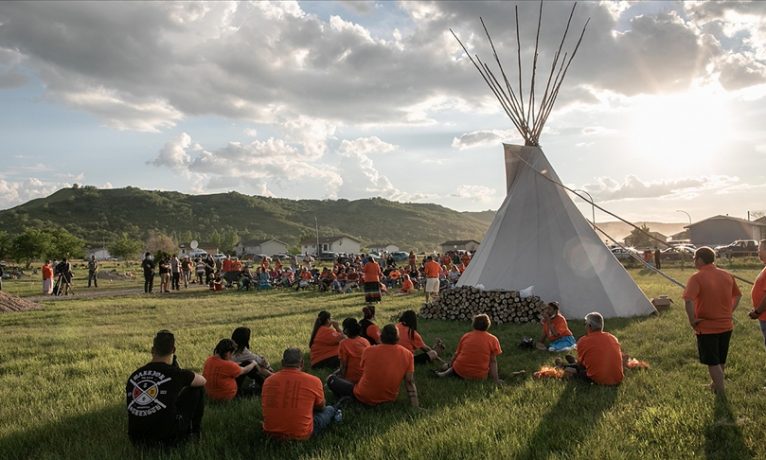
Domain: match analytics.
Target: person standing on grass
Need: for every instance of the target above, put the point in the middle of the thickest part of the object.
(175, 273)
(165, 274)
(758, 292)
(476, 354)
(432, 270)
(599, 355)
(384, 367)
(324, 341)
(710, 297)
(93, 271)
(293, 402)
(148, 265)
(222, 373)
(372, 274)
(165, 403)
(47, 271)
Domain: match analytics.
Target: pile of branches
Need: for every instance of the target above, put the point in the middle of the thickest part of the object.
(463, 303)
(9, 303)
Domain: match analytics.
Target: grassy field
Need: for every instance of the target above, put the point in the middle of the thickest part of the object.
(63, 373)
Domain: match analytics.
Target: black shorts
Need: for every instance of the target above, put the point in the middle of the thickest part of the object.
(713, 348)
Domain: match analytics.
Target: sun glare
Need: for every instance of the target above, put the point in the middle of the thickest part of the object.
(688, 129)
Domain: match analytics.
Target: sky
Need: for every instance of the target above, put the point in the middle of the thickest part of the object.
(660, 112)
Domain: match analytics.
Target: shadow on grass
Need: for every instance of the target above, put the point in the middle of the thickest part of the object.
(723, 438)
(577, 412)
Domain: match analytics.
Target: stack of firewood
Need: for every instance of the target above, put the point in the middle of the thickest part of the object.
(462, 303)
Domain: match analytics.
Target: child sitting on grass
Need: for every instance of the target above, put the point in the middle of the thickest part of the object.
(555, 331)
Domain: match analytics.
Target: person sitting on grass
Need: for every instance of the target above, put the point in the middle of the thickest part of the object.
(324, 341)
(555, 330)
(599, 356)
(407, 285)
(293, 401)
(165, 403)
(350, 351)
(384, 367)
(243, 356)
(476, 354)
(410, 339)
(221, 373)
(216, 284)
(369, 330)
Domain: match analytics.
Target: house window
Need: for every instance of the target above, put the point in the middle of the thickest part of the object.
(325, 247)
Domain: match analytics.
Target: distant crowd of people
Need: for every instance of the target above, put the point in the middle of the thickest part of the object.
(166, 403)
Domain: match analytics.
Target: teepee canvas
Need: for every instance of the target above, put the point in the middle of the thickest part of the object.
(538, 237)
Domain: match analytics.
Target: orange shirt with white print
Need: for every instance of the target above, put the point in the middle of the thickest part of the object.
(288, 400)
(712, 290)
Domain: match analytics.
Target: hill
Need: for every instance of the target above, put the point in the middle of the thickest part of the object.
(98, 215)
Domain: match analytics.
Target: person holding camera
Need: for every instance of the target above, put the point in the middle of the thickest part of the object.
(165, 403)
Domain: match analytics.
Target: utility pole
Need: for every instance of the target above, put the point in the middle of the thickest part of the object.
(316, 226)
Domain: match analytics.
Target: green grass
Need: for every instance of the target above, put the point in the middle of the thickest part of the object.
(63, 373)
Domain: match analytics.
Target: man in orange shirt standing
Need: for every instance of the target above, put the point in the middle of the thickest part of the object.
(599, 356)
(293, 401)
(710, 297)
(432, 270)
(758, 293)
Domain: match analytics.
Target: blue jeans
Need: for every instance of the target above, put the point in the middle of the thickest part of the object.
(763, 329)
(323, 419)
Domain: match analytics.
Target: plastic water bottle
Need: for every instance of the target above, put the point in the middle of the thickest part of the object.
(338, 417)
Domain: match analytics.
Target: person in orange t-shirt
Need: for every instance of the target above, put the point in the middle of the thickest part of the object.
(350, 353)
(710, 298)
(599, 356)
(408, 287)
(555, 330)
(369, 330)
(324, 341)
(476, 354)
(410, 339)
(758, 293)
(371, 274)
(47, 278)
(384, 367)
(221, 372)
(432, 270)
(293, 402)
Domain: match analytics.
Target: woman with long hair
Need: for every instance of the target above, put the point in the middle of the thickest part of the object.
(410, 339)
(324, 341)
(221, 372)
(350, 351)
(244, 357)
(368, 329)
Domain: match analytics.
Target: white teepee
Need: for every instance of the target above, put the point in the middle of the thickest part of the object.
(538, 237)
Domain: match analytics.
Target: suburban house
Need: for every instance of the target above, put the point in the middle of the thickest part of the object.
(268, 247)
(724, 229)
(460, 245)
(382, 247)
(209, 248)
(337, 244)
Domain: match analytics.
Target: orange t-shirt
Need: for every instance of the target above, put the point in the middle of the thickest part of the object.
(306, 275)
(558, 328)
(601, 355)
(473, 354)
(413, 344)
(325, 344)
(407, 285)
(383, 369)
(221, 377)
(465, 259)
(371, 272)
(394, 275)
(288, 400)
(712, 291)
(47, 272)
(373, 332)
(350, 352)
(432, 269)
(226, 265)
(759, 292)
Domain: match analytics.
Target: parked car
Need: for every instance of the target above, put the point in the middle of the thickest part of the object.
(624, 254)
(738, 248)
(327, 256)
(280, 257)
(400, 256)
(679, 252)
(194, 253)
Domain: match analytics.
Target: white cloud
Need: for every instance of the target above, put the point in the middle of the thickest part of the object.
(366, 146)
(485, 138)
(173, 154)
(632, 187)
(13, 193)
(480, 193)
